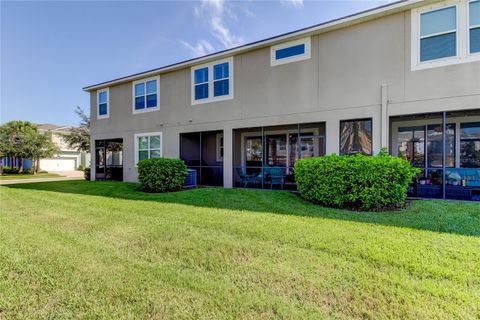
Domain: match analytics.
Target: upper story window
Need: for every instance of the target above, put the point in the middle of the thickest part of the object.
(290, 51)
(212, 82)
(146, 95)
(474, 25)
(102, 104)
(438, 34)
(445, 33)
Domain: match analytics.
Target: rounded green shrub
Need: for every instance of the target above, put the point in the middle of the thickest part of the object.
(356, 182)
(161, 174)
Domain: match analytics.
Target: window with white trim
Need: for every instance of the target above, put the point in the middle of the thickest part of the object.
(212, 82)
(438, 34)
(445, 33)
(148, 146)
(474, 26)
(219, 148)
(102, 103)
(146, 95)
(291, 51)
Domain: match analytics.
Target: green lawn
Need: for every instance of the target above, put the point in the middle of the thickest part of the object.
(78, 249)
(29, 176)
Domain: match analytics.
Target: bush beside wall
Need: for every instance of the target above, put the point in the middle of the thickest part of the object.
(356, 182)
(161, 174)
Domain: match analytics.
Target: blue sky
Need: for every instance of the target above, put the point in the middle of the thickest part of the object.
(50, 50)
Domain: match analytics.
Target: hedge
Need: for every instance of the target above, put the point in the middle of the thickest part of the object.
(161, 174)
(356, 182)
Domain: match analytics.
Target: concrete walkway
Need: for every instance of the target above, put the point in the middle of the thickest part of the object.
(67, 175)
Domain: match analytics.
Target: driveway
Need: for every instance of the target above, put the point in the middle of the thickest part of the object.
(67, 175)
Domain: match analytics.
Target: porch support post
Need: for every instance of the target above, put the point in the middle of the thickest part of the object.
(384, 117)
(444, 156)
(332, 136)
(227, 158)
(93, 160)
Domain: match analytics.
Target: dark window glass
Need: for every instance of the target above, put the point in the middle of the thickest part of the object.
(102, 109)
(140, 102)
(470, 145)
(438, 47)
(435, 146)
(220, 88)
(474, 40)
(201, 91)
(356, 137)
(201, 75)
(290, 51)
(220, 71)
(152, 100)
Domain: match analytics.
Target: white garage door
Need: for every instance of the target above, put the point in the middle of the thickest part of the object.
(59, 164)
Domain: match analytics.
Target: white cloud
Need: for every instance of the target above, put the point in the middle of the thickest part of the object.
(203, 47)
(217, 14)
(292, 3)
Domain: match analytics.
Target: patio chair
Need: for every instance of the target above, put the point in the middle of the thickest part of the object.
(246, 178)
(277, 177)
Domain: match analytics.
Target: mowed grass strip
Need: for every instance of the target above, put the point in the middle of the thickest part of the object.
(29, 176)
(106, 250)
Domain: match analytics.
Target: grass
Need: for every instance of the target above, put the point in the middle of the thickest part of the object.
(29, 176)
(105, 250)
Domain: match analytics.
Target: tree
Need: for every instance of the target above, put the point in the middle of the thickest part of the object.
(39, 146)
(14, 138)
(79, 138)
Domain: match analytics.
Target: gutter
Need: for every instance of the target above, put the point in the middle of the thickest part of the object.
(338, 23)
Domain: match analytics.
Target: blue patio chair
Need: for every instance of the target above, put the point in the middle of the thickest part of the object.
(246, 178)
(277, 177)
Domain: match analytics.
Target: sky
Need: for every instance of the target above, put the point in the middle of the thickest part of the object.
(49, 50)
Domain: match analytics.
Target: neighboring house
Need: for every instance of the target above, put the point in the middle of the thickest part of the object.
(67, 159)
(405, 76)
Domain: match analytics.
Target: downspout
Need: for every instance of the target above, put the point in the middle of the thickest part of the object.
(384, 116)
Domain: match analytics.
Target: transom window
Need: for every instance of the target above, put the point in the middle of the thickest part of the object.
(212, 82)
(474, 26)
(102, 103)
(445, 33)
(291, 51)
(148, 145)
(146, 95)
(438, 34)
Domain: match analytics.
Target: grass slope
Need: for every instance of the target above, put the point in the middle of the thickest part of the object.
(96, 249)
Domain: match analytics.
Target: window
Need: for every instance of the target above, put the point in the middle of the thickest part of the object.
(445, 33)
(438, 34)
(102, 103)
(470, 145)
(474, 26)
(219, 149)
(291, 51)
(356, 137)
(212, 82)
(148, 145)
(146, 95)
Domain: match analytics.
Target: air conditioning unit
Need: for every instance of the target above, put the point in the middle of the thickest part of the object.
(191, 179)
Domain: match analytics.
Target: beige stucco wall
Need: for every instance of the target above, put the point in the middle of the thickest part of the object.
(341, 81)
